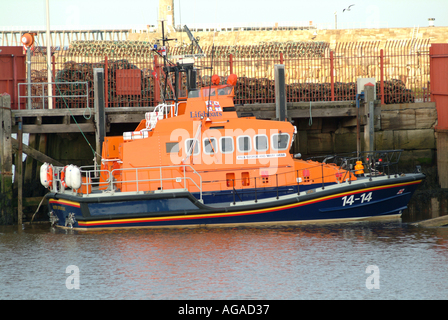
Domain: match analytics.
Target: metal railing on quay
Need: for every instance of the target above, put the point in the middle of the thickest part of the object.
(314, 71)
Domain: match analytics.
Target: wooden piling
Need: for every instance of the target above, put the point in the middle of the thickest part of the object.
(6, 195)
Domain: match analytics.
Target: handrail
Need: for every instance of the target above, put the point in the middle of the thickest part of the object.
(372, 161)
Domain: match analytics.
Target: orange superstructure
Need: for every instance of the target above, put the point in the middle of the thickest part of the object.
(204, 140)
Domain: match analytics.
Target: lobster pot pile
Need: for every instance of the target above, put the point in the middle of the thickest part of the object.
(264, 50)
(97, 48)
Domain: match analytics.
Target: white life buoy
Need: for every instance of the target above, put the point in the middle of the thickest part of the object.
(43, 175)
(68, 176)
(75, 178)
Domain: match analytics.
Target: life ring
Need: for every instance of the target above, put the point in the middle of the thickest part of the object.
(50, 176)
(64, 184)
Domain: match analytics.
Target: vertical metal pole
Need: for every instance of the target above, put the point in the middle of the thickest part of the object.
(28, 72)
(231, 63)
(106, 83)
(50, 89)
(276, 181)
(19, 173)
(255, 179)
(382, 75)
(332, 74)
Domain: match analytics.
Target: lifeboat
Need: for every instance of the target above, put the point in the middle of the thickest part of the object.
(193, 161)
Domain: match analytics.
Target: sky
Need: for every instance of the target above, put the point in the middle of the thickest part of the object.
(87, 14)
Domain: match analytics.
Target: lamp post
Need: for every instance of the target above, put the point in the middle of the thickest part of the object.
(335, 19)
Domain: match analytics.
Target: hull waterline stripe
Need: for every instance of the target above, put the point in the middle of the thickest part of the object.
(65, 202)
(238, 213)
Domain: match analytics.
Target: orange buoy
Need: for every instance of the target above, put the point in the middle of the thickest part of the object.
(50, 176)
(64, 184)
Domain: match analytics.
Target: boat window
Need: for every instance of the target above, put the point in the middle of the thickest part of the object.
(207, 91)
(226, 144)
(224, 91)
(210, 145)
(280, 141)
(172, 147)
(244, 144)
(189, 143)
(261, 142)
(194, 93)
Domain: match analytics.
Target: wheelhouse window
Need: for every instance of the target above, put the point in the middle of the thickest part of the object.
(280, 141)
(210, 145)
(190, 144)
(226, 144)
(194, 93)
(224, 91)
(172, 147)
(206, 92)
(244, 144)
(261, 142)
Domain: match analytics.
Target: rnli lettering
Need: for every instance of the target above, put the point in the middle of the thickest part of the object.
(203, 114)
(55, 207)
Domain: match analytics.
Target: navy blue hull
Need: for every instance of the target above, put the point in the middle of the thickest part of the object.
(340, 202)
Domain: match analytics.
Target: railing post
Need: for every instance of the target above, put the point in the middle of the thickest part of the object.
(281, 58)
(276, 180)
(156, 75)
(231, 63)
(233, 183)
(382, 75)
(323, 183)
(332, 74)
(106, 83)
(255, 189)
(53, 80)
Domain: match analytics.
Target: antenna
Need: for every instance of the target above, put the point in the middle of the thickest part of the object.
(210, 87)
(192, 39)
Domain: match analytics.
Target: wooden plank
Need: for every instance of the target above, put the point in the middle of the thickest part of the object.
(6, 187)
(39, 156)
(57, 128)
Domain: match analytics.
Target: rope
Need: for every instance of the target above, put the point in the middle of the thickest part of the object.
(37, 208)
(73, 117)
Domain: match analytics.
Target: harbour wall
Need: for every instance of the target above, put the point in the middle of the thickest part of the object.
(248, 37)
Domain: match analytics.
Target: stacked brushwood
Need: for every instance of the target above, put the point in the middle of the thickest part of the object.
(248, 89)
(83, 72)
(264, 50)
(395, 92)
(97, 48)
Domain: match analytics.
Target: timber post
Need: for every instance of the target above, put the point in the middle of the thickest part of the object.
(6, 195)
(369, 129)
(100, 115)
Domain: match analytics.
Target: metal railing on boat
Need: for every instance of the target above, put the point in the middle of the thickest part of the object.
(344, 167)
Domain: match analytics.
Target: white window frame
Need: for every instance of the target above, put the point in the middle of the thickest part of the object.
(220, 144)
(274, 144)
(255, 142)
(238, 144)
(187, 147)
(215, 146)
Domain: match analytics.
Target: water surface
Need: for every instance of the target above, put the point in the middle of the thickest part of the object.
(327, 261)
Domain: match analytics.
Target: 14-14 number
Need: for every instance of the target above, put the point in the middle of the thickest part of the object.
(349, 200)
